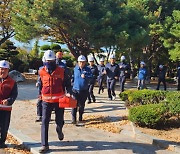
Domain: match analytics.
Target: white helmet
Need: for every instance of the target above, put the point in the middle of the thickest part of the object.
(43, 59)
(101, 59)
(4, 64)
(160, 66)
(123, 58)
(142, 63)
(112, 56)
(81, 58)
(49, 55)
(64, 61)
(91, 58)
(179, 68)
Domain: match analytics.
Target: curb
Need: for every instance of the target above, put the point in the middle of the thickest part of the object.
(154, 140)
(30, 144)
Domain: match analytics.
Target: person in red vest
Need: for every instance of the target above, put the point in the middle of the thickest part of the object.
(54, 83)
(8, 94)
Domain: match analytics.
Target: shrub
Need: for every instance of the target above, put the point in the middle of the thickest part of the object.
(173, 96)
(124, 95)
(142, 97)
(174, 108)
(149, 115)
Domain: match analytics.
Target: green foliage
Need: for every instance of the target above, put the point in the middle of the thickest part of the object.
(35, 50)
(141, 97)
(69, 60)
(149, 115)
(173, 96)
(55, 47)
(45, 47)
(8, 50)
(174, 108)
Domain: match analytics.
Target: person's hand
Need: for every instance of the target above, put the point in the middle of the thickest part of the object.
(82, 76)
(116, 77)
(36, 84)
(68, 95)
(104, 72)
(5, 102)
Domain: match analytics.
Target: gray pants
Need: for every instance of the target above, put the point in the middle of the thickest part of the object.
(141, 84)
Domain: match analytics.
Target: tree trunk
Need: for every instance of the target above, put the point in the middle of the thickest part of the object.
(131, 64)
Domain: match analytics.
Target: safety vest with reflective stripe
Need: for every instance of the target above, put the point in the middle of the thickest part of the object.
(52, 85)
(5, 90)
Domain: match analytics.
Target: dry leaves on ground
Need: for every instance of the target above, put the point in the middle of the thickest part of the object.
(105, 123)
(15, 147)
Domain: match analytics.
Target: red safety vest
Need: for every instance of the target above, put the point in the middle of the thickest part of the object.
(52, 85)
(5, 90)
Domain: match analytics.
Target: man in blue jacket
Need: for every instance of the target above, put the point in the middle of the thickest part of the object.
(81, 78)
(123, 71)
(161, 76)
(102, 75)
(95, 73)
(112, 71)
(142, 76)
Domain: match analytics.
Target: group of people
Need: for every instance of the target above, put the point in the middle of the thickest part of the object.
(55, 81)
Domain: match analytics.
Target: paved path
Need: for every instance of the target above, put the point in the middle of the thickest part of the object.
(77, 139)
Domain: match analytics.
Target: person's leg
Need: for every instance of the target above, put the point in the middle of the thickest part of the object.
(46, 116)
(109, 89)
(159, 82)
(39, 110)
(123, 82)
(143, 84)
(112, 87)
(59, 118)
(164, 83)
(91, 92)
(139, 85)
(120, 84)
(82, 98)
(99, 84)
(5, 121)
(74, 110)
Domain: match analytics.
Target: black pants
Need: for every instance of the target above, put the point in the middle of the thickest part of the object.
(39, 107)
(5, 117)
(111, 88)
(46, 116)
(81, 97)
(100, 83)
(178, 84)
(159, 82)
(122, 80)
(91, 93)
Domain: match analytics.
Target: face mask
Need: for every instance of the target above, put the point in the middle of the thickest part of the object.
(51, 66)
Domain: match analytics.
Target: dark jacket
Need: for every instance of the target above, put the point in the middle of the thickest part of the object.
(112, 70)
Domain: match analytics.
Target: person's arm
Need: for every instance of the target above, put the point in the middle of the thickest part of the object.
(67, 82)
(13, 95)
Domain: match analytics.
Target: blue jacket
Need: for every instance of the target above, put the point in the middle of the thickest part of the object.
(79, 82)
(60, 63)
(142, 74)
(112, 71)
(101, 69)
(95, 73)
(123, 67)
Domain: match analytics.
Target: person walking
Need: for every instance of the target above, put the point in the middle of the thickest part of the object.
(102, 75)
(112, 72)
(92, 82)
(178, 77)
(54, 84)
(39, 102)
(8, 95)
(123, 71)
(59, 62)
(81, 78)
(161, 77)
(142, 74)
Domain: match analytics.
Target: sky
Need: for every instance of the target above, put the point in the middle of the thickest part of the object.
(30, 45)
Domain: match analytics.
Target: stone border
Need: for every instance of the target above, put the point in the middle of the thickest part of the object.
(30, 144)
(154, 140)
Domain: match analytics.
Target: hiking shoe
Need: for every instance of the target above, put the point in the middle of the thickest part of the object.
(113, 97)
(44, 149)
(38, 119)
(61, 136)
